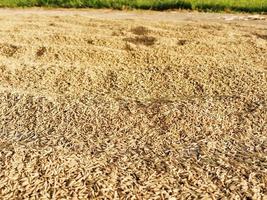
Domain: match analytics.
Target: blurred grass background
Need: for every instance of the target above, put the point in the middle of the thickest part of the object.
(204, 5)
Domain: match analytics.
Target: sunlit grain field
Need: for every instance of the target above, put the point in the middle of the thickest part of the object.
(118, 105)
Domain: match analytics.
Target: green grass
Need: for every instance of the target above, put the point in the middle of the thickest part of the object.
(205, 5)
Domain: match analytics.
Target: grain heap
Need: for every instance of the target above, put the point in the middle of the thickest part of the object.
(93, 108)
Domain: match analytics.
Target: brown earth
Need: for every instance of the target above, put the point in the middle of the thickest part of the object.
(143, 105)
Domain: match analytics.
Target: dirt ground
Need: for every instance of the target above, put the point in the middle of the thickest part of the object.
(101, 104)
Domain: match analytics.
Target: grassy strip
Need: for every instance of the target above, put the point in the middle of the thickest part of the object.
(206, 5)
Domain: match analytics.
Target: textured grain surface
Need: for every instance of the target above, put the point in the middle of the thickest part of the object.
(125, 107)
